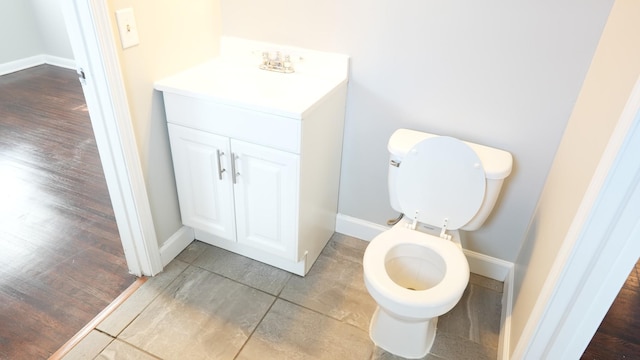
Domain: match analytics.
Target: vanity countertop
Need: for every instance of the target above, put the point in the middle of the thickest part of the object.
(228, 81)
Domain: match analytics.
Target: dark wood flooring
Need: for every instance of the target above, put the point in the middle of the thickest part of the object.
(61, 260)
(618, 336)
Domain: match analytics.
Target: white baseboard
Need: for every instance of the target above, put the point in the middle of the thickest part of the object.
(358, 228)
(175, 244)
(59, 61)
(505, 319)
(36, 60)
(480, 264)
(488, 266)
(21, 64)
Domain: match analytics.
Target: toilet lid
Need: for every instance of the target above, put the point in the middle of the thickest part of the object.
(441, 178)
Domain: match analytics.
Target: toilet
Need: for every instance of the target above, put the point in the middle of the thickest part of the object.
(416, 271)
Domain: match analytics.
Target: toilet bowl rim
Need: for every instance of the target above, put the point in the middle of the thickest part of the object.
(445, 294)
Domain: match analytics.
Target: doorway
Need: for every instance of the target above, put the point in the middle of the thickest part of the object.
(61, 259)
(618, 333)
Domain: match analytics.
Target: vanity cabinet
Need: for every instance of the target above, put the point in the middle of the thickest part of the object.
(258, 184)
(257, 154)
(238, 191)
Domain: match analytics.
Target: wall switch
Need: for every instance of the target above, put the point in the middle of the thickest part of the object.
(127, 27)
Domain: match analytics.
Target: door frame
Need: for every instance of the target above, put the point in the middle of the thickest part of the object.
(92, 40)
(598, 253)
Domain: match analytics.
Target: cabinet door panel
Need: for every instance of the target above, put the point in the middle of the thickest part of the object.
(266, 198)
(206, 201)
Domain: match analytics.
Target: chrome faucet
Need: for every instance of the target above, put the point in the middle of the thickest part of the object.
(280, 63)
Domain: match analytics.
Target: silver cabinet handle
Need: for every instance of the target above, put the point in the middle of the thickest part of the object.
(220, 169)
(234, 174)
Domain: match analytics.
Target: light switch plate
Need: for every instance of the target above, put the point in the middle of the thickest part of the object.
(127, 28)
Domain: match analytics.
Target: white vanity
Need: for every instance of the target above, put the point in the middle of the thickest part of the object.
(257, 153)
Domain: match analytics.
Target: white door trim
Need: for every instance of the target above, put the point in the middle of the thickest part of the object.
(600, 250)
(94, 50)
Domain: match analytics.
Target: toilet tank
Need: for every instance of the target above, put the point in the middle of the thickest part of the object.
(496, 163)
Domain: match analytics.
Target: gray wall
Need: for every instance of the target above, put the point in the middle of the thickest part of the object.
(500, 73)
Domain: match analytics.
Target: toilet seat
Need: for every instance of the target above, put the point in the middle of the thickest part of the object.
(441, 178)
(428, 303)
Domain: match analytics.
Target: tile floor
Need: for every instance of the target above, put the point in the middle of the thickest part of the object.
(213, 304)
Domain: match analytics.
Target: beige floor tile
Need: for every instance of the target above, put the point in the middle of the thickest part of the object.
(486, 282)
(335, 285)
(452, 347)
(120, 350)
(242, 269)
(476, 316)
(201, 315)
(289, 331)
(345, 247)
(140, 299)
(209, 310)
(89, 347)
(191, 253)
(380, 354)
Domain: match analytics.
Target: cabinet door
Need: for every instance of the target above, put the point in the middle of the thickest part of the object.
(201, 164)
(266, 193)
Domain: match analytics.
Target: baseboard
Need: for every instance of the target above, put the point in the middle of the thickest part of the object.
(21, 64)
(175, 244)
(488, 266)
(505, 319)
(357, 228)
(36, 60)
(60, 62)
(480, 264)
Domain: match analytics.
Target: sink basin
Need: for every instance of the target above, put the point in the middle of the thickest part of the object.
(239, 82)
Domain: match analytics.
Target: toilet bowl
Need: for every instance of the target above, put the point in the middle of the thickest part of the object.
(414, 277)
(442, 184)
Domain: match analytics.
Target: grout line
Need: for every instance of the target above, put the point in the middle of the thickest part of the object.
(160, 291)
(237, 281)
(255, 328)
(138, 349)
(322, 314)
(64, 349)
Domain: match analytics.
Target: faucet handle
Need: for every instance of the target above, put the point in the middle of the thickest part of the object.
(286, 63)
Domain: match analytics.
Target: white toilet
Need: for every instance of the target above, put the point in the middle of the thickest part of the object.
(416, 271)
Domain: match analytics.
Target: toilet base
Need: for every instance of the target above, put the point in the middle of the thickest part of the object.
(409, 339)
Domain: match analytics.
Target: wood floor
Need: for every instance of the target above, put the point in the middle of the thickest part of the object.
(618, 336)
(61, 260)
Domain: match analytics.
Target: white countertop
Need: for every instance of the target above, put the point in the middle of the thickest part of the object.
(242, 84)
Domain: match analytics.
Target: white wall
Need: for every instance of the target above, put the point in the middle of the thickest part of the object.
(174, 35)
(608, 85)
(32, 32)
(497, 72)
(19, 33)
(52, 29)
